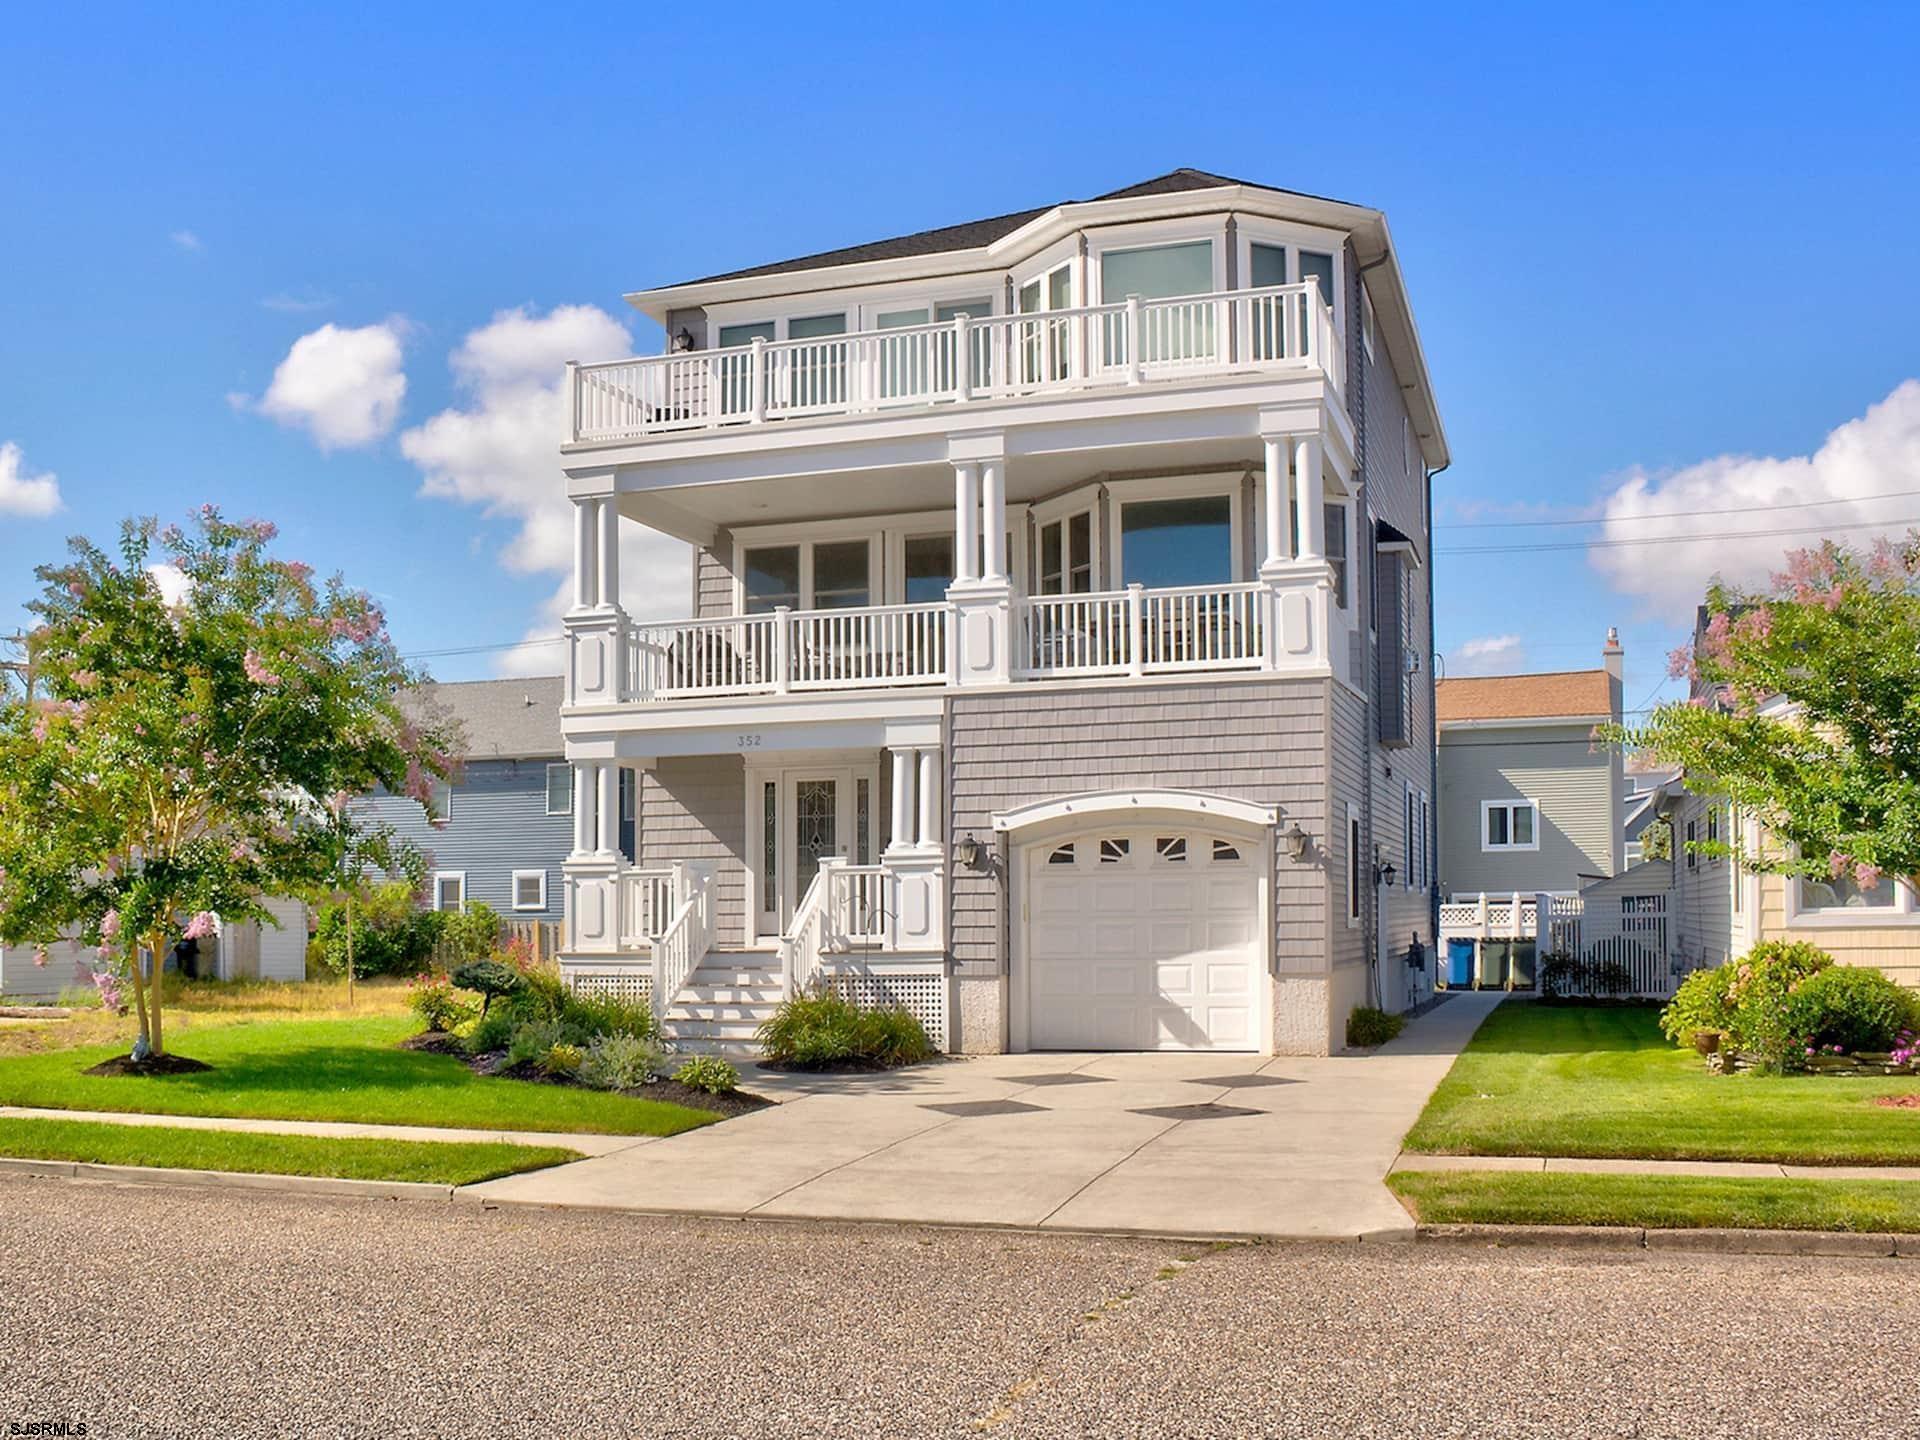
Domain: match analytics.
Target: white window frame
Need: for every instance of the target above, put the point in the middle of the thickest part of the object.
(1154, 235)
(938, 524)
(1088, 500)
(539, 875)
(1357, 871)
(1118, 494)
(784, 773)
(1426, 840)
(1905, 910)
(567, 767)
(1488, 806)
(806, 536)
(1254, 230)
(1409, 850)
(442, 812)
(443, 875)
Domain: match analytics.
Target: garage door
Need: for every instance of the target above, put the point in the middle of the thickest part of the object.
(1143, 940)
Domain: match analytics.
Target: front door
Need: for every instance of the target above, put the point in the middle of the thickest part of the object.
(798, 817)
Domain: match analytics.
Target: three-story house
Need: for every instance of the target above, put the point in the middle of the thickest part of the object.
(1061, 617)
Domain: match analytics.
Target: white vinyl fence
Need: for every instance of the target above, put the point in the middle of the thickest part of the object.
(1632, 932)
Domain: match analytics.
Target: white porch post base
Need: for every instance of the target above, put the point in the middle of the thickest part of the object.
(596, 657)
(593, 905)
(1300, 601)
(920, 906)
(982, 632)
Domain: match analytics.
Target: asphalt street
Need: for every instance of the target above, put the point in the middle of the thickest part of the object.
(162, 1311)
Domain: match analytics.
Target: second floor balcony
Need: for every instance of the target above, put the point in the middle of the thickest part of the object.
(966, 361)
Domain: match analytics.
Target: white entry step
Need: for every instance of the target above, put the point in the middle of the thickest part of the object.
(725, 1001)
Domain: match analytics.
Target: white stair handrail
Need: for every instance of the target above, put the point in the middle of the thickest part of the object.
(684, 943)
(807, 936)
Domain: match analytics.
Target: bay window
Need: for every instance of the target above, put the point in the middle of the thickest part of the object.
(1187, 541)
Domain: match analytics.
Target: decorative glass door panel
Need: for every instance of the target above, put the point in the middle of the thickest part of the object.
(816, 830)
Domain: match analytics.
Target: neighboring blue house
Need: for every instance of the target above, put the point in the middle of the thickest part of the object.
(510, 815)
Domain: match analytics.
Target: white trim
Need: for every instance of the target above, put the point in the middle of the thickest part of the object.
(1118, 494)
(553, 765)
(1095, 806)
(445, 814)
(1527, 722)
(459, 875)
(1904, 911)
(514, 894)
(1154, 235)
(1487, 847)
(789, 886)
(1254, 230)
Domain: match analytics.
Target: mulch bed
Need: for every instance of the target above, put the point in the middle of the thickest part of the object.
(433, 1042)
(670, 1092)
(152, 1065)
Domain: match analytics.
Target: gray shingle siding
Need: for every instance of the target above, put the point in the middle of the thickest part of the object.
(1263, 741)
(499, 824)
(713, 578)
(694, 808)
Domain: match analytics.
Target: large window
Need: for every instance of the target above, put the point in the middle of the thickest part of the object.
(1509, 825)
(1157, 272)
(840, 575)
(1066, 555)
(1844, 892)
(927, 563)
(1336, 527)
(1177, 542)
(773, 578)
(816, 575)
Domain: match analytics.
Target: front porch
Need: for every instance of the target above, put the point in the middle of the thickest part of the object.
(805, 877)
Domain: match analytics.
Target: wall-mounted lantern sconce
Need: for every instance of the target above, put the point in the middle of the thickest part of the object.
(683, 342)
(1295, 839)
(966, 852)
(1383, 874)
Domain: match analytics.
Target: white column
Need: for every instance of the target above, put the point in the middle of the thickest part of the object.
(1277, 501)
(993, 490)
(900, 830)
(608, 808)
(583, 836)
(966, 521)
(929, 834)
(584, 589)
(609, 589)
(1310, 493)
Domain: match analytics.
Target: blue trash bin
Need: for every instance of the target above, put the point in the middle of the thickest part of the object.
(1459, 964)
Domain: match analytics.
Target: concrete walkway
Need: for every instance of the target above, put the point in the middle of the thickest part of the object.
(1188, 1144)
(342, 1130)
(1725, 1169)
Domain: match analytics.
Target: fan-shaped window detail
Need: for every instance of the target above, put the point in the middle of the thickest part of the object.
(1062, 855)
(1113, 850)
(1225, 853)
(1172, 849)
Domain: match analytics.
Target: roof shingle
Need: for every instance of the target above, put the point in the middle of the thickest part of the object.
(1564, 694)
(503, 719)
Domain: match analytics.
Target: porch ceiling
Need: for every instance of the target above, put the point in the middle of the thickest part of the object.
(695, 511)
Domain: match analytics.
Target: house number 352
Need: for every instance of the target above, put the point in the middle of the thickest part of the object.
(749, 740)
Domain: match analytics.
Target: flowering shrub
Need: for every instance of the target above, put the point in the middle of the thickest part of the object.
(1848, 1008)
(434, 999)
(1763, 983)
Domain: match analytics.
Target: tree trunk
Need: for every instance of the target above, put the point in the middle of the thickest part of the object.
(139, 990)
(156, 1039)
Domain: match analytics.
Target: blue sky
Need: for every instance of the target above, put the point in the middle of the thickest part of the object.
(1637, 240)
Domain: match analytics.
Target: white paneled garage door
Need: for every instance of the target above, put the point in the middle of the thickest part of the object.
(1143, 940)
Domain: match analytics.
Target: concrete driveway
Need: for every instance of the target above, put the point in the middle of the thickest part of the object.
(1188, 1144)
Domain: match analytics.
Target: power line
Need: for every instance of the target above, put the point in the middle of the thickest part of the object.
(1674, 514)
(1669, 539)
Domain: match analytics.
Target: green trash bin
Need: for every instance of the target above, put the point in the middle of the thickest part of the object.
(1524, 964)
(1496, 963)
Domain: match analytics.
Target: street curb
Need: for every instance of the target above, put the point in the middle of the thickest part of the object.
(1827, 1243)
(86, 1172)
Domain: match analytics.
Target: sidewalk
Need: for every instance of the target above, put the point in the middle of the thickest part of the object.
(1722, 1169)
(340, 1130)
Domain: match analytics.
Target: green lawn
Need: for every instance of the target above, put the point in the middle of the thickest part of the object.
(104, 1143)
(337, 1069)
(1602, 1081)
(1659, 1201)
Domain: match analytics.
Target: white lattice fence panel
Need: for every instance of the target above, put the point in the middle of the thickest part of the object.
(625, 983)
(922, 996)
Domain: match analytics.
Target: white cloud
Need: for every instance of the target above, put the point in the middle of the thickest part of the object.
(23, 494)
(1877, 454)
(172, 581)
(343, 387)
(187, 240)
(500, 450)
(1487, 655)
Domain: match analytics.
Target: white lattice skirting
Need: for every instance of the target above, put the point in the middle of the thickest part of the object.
(625, 982)
(922, 994)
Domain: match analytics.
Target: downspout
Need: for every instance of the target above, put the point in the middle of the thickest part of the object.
(1433, 735)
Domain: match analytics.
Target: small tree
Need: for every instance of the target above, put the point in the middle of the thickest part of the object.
(1806, 712)
(176, 762)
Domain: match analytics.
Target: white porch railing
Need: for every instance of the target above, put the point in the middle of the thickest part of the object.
(846, 909)
(1143, 632)
(684, 942)
(807, 938)
(787, 650)
(967, 359)
(648, 898)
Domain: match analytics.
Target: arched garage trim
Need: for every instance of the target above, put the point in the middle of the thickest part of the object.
(1095, 807)
(1028, 828)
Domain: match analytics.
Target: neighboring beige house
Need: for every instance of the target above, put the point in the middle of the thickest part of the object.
(1528, 802)
(1722, 908)
(1057, 665)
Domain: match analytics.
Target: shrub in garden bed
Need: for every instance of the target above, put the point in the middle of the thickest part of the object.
(708, 1073)
(825, 1031)
(1368, 1027)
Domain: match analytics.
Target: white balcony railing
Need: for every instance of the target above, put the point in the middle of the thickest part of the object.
(787, 650)
(1137, 631)
(1281, 327)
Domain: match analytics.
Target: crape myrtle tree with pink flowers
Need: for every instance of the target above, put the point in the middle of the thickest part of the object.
(181, 760)
(1806, 712)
